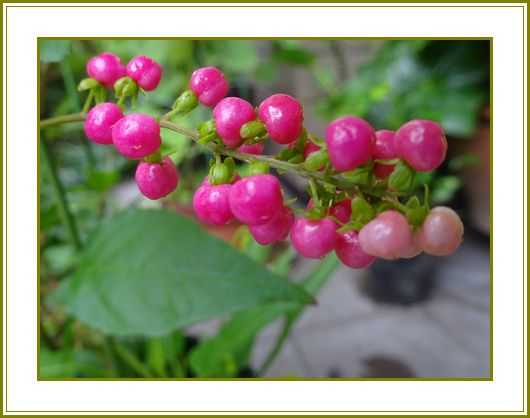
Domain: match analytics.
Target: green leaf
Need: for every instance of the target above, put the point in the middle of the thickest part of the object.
(361, 212)
(402, 178)
(101, 181)
(148, 272)
(361, 176)
(444, 189)
(70, 363)
(52, 50)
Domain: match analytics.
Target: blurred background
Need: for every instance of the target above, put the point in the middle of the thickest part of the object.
(424, 317)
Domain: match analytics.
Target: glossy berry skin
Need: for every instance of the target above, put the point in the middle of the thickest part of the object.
(145, 71)
(350, 141)
(283, 117)
(100, 120)
(349, 251)
(136, 135)
(387, 236)
(256, 149)
(414, 249)
(209, 85)
(211, 203)
(156, 180)
(230, 114)
(314, 238)
(105, 68)
(384, 149)
(422, 144)
(441, 232)
(256, 200)
(277, 229)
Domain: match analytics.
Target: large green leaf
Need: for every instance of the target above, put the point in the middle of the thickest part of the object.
(147, 272)
(53, 50)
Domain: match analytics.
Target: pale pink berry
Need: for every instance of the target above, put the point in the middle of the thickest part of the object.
(387, 236)
(209, 85)
(422, 144)
(350, 141)
(256, 149)
(136, 135)
(349, 251)
(156, 180)
(256, 199)
(100, 120)
(314, 238)
(414, 249)
(230, 114)
(145, 71)
(105, 68)
(283, 117)
(211, 203)
(384, 149)
(277, 229)
(441, 232)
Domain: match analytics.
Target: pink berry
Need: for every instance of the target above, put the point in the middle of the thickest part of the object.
(422, 144)
(277, 229)
(211, 203)
(145, 71)
(384, 149)
(156, 180)
(341, 210)
(230, 114)
(314, 239)
(100, 120)
(387, 236)
(256, 199)
(349, 251)
(414, 249)
(209, 85)
(310, 148)
(441, 232)
(136, 135)
(256, 149)
(283, 117)
(350, 142)
(105, 68)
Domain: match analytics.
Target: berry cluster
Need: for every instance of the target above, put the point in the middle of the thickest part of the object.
(361, 184)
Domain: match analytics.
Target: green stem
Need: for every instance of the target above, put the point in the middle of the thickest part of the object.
(131, 360)
(60, 120)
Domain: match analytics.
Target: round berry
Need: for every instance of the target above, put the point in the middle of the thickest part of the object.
(441, 232)
(136, 135)
(230, 115)
(349, 251)
(414, 249)
(105, 68)
(156, 180)
(100, 120)
(387, 236)
(350, 142)
(145, 71)
(256, 149)
(283, 117)
(256, 199)
(384, 149)
(422, 144)
(341, 210)
(277, 229)
(211, 203)
(314, 238)
(209, 85)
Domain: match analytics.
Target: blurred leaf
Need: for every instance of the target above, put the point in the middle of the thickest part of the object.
(60, 258)
(444, 189)
(70, 363)
(101, 181)
(233, 56)
(52, 50)
(463, 161)
(291, 52)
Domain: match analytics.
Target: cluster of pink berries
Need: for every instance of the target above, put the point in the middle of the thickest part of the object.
(353, 220)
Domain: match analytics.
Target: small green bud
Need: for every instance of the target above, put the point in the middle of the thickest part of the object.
(207, 127)
(258, 167)
(402, 178)
(361, 212)
(415, 212)
(87, 84)
(186, 102)
(125, 87)
(252, 129)
(220, 174)
(316, 160)
(315, 213)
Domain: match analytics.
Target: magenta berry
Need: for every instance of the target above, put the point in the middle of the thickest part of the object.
(211, 203)
(310, 148)
(349, 251)
(341, 210)
(136, 135)
(156, 180)
(387, 236)
(230, 114)
(256, 149)
(277, 229)
(209, 85)
(350, 142)
(384, 149)
(100, 120)
(441, 232)
(105, 68)
(145, 71)
(283, 117)
(314, 238)
(256, 199)
(422, 144)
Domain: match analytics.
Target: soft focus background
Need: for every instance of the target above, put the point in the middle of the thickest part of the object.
(425, 317)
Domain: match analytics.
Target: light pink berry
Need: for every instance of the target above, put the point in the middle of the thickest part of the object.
(314, 238)
(136, 135)
(256, 149)
(414, 249)
(156, 180)
(350, 142)
(422, 144)
(209, 85)
(145, 71)
(283, 117)
(441, 232)
(277, 229)
(349, 251)
(100, 120)
(256, 199)
(230, 114)
(211, 203)
(384, 149)
(105, 68)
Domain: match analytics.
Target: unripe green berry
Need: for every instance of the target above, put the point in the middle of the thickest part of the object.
(316, 160)
(186, 102)
(87, 84)
(252, 129)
